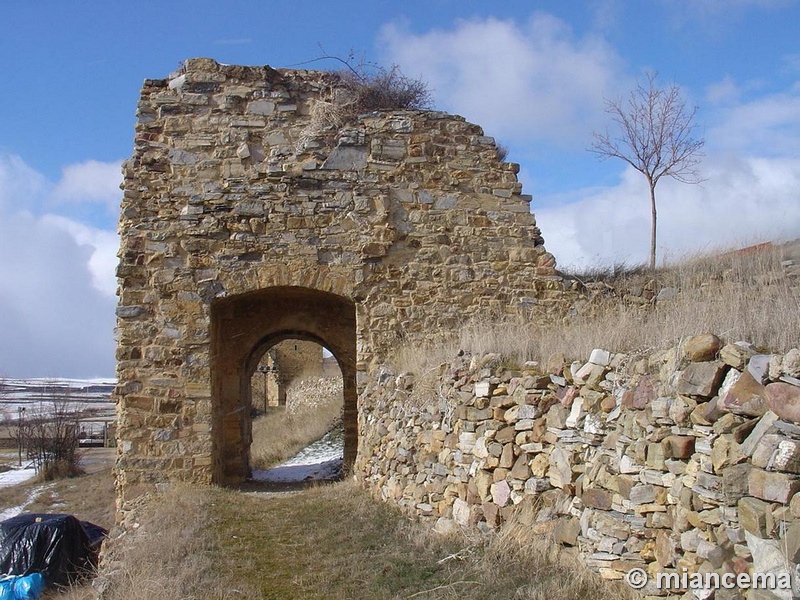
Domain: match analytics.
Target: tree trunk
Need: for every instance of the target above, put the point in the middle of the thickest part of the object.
(652, 227)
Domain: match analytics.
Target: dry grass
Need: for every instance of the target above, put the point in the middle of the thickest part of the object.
(280, 434)
(332, 542)
(171, 554)
(90, 497)
(737, 296)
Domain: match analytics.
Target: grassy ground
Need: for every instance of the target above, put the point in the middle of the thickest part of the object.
(90, 497)
(331, 542)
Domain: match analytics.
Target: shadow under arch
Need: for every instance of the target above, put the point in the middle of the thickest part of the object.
(243, 327)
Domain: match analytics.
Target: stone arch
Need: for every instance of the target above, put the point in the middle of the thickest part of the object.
(243, 327)
(241, 221)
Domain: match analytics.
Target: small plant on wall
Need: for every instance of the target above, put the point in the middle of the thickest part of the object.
(362, 87)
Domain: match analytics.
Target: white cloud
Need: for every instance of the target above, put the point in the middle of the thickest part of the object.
(104, 244)
(56, 285)
(769, 125)
(723, 92)
(21, 187)
(548, 87)
(750, 195)
(90, 181)
(545, 82)
(743, 201)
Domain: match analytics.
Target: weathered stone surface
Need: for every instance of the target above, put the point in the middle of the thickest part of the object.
(702, 347)
(761, 428)
(784, 400)
(640, 396)
(462, 513)
(600, 357)
(746, 397)
(501, 493)
(707, 413)
(791, 363)
(735, 483)
(768, 557)
(758, 367)
(786, 456)
(772, 487)
(701, 379)
(560, 467)
(666, 549)
(567, 531)
(596, 498)
(737, 354)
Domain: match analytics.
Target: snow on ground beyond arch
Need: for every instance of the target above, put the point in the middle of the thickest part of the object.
(322, 460)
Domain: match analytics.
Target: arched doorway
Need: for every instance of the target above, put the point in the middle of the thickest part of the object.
(244, 328)
(296, 396)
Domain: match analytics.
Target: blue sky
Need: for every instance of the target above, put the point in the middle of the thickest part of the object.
(533, 74)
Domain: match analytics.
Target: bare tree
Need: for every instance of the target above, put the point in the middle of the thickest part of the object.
(51, 438)
(656, 136)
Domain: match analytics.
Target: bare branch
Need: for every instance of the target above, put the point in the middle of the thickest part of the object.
(655, 134)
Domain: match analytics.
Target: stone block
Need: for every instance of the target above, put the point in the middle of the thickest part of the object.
(600, 357)
(737, 354)
(501, 493)
(792, 542)
(784, 400)
(521, 470)
(758, 367)
(666, 549)
(596, 498)
(641, 395)
(735, 482)
(772, 487)
(507, 456)
(707, 413)
(483, 388)
(566, 531)
(790, 364)
(703, 347)
(560, 471)
(786, 456)
(642, 494)
(764, 424)
(701, 379)
(656, 456)
(679, 446)
(745, 397)
(766, 447)
(768, 557)
(725, 452)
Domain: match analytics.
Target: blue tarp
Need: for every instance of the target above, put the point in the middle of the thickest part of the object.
(22, 587)
(58, 546)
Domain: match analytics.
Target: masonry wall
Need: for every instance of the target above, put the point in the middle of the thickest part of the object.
(245, 222)
(683, 461)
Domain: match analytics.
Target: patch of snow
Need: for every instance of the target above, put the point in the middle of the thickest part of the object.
(321, 460)
(15, 510)
(15, 476)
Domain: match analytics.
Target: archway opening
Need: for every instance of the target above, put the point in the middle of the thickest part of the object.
(247, 327)
(296, 405)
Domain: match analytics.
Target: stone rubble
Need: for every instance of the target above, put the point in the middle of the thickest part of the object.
(688, 459)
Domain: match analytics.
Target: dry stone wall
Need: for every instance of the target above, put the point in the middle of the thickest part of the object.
(683, 461)
(246, 221)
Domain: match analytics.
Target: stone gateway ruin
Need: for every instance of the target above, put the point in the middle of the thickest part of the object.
(248, 219)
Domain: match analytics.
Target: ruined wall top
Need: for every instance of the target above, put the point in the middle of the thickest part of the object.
(239, 181)
(252, 210)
